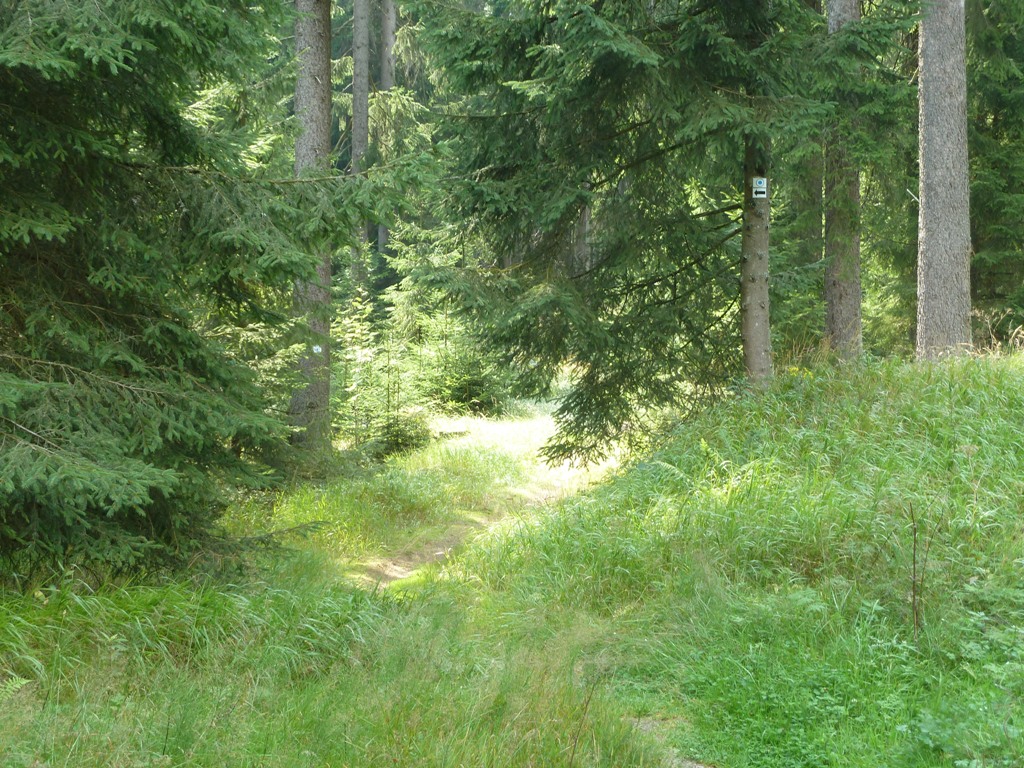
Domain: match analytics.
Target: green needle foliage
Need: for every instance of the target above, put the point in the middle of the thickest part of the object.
(996, 91)
(127, 234)
(599, 152)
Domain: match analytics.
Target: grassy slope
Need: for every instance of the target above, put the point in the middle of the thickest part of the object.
(827, 575)
(764, 572)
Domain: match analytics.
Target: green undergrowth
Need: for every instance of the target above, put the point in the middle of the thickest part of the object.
(296, 670)
(828, 574)
(385, 507)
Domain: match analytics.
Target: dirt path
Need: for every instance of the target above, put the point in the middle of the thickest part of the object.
(541, 485)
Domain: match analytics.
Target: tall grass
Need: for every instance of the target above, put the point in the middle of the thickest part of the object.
(381, 508)
(296, 671)
(294, 666)
(828, 574)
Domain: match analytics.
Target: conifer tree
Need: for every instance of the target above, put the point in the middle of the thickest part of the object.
(633, 118)
(754, 300)
(360, 120)
(842, 224)
(360, 83)
(132, 234)
(388, 31)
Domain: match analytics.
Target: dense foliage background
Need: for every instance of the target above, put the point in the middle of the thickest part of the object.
(550, 201)
(527, 221)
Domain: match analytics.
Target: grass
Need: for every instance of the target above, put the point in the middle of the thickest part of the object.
(828, 574)
(376, 511)
(298, 670)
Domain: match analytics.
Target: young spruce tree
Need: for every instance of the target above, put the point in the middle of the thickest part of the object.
(127, 235)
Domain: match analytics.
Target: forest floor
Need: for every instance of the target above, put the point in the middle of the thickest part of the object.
(827, 573)
(537, 484)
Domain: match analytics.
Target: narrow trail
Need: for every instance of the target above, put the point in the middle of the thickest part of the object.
(539, 485)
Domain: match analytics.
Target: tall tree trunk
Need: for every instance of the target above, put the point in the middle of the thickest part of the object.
(754, 306)
(360, 83)
(807, 200)
(944, 235)
(310, 404)
(360, 120)
(842, 225)
(389, 28)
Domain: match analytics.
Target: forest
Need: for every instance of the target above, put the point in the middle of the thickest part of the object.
(511, 383)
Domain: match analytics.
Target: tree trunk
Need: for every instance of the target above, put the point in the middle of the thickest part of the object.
(944, 236)
(842, 225)
(360, 124)
(754, 306)
(389, 27)
(360, 83)
(310, 404)
(578, 259)
(807, 200)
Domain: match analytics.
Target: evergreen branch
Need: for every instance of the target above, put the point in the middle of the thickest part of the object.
(695, 261)
(726, 209)
(621, 168)
(54, 448)
(82, 373)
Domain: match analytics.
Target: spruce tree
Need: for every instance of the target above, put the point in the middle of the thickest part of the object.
(132, 233)
(754, 299)
(388, 32)
(842, 222)
(633, 118)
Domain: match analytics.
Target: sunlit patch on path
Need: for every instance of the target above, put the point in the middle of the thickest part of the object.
(540, 484)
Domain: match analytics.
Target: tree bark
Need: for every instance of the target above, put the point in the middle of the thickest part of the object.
(389, 28)
(360, 83)
(360, 125)
(754, 305)
(578, 260)
(842, 225)
(309, 409)
(944, 236)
